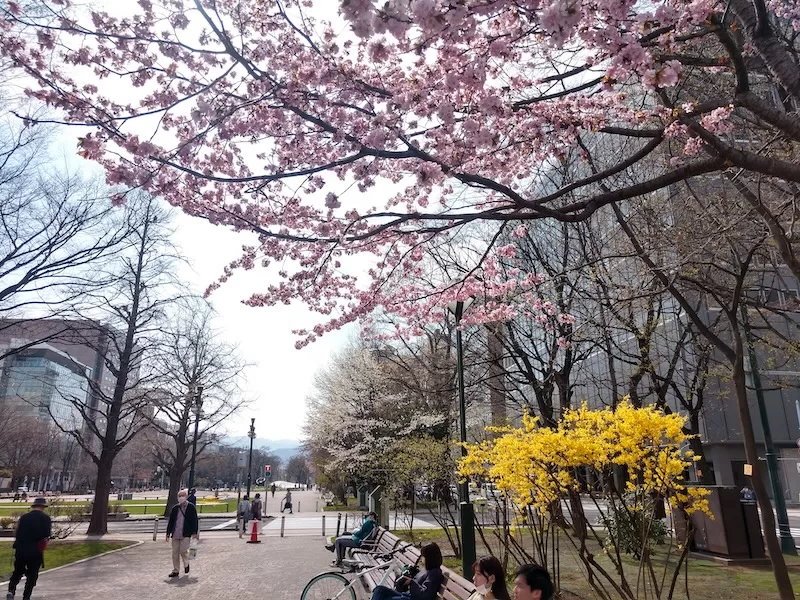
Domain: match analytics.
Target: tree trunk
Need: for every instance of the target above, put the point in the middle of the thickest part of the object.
(98, 524)
(174, 487)
(696, 446)
(785, 591)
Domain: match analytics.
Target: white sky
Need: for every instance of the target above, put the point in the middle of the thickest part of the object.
(283, 375)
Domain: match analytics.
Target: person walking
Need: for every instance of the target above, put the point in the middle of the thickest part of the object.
(257, 507)
(33, 530)
(272, 489)
(287, 502)
(243, 511)
(182, 527)
(193, 496)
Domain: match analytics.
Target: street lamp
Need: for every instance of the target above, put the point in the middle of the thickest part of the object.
(467, 511)
(197, 402)
(252, 435)
(786, 537)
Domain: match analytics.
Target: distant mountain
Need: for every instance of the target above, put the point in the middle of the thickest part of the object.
(286, 453)
(285, 449)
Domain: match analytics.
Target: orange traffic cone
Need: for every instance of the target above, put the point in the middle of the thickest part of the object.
(254, 535)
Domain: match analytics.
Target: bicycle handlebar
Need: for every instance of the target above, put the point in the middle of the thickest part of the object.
(391, 554)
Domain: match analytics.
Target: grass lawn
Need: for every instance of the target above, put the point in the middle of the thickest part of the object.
(59, 553)
(134, 507)
(706, 579)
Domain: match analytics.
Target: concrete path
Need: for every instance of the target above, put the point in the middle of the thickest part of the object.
(226, 567)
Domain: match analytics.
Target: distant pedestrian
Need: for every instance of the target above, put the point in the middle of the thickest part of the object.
(243, 511)
(33, 531)
(192, 499)
(16, 497)
(272, 489)
(257, 508)
(287, 502)
(182, 527)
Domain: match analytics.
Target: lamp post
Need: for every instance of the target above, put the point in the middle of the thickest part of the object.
(252, 435)
(787, 540)
(467, 511)
(197, 401)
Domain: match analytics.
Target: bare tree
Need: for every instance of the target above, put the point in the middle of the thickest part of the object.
(191, 354)
(127, 313)
(55, 227)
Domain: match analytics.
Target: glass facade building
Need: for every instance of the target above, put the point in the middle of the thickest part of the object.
(41, 382)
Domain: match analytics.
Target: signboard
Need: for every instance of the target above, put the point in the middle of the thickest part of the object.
(748, 470)
(260, 481)
(268, 471)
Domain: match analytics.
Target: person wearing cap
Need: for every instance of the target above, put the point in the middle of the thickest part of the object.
(33, 530)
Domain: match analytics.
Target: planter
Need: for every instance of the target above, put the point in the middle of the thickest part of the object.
(6, 533)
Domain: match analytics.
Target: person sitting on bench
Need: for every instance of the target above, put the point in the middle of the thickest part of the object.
(343, 542)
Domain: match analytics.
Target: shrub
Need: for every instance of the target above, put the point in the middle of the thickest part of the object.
(632, 527)
(6, 522)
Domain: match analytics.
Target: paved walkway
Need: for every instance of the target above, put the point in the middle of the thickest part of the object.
(226, 568)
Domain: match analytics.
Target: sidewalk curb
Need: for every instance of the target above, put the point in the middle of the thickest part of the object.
(88, 558)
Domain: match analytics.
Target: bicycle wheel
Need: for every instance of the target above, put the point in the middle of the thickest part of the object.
(328, 586)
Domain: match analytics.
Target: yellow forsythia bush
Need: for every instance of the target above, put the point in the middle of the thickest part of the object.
(536, 465)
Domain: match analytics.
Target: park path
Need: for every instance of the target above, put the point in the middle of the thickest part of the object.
(226, 568)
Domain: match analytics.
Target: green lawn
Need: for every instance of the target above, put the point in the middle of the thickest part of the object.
(706, 579)
(59, 553)
(134, 507)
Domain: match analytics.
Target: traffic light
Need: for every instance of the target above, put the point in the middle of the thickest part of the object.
(268, 471)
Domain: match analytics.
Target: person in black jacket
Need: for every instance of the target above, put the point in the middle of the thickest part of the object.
(33, 531)
(182, 527)
(424, 586)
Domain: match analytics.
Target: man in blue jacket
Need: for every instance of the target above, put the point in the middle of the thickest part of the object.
(343, 542)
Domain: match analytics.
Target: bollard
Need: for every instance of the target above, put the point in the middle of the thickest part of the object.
(323, 525)
(316, 506)
(345, 521)
(240, 528)
(298, 506)
(145, 509)
(339, 525)
(283, 522)
(155, 529)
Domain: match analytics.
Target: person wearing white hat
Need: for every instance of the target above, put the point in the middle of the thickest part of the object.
(33, 531)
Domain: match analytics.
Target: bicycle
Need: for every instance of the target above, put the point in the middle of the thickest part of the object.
(333, 585)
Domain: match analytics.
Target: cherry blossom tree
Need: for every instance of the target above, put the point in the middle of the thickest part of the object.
(262, 117)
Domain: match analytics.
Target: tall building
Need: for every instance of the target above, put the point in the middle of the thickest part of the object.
(43, 382)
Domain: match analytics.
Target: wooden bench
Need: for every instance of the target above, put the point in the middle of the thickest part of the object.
(454, 587)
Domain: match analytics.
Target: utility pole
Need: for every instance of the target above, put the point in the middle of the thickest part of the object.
(787, 541)
(252, 435)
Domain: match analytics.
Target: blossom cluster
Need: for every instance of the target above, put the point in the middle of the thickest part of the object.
(537, 465)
